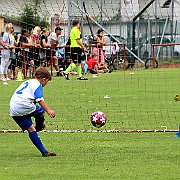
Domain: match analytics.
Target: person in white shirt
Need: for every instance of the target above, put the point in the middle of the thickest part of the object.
(53, 41)
(7, 52)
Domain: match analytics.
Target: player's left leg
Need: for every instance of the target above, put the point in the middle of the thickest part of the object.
(25, 123)
(33, 135)
(39, 118)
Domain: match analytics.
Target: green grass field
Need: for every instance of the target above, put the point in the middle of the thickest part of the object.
(91, 156)
(140, 101)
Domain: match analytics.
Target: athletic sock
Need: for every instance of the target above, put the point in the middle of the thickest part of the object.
(70, 68)
(37, 141)
(58, 73)
(79, 71)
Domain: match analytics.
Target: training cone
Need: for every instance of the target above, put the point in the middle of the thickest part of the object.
(19, 77)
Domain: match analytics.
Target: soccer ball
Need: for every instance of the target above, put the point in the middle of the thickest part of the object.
(98, 119)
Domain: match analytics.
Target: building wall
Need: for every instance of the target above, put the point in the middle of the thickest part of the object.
(110, 8)
(1, 24)
(129, 8)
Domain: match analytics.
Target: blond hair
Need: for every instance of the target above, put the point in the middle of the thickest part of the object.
(45, 29)
(36, 29)
(8, 26)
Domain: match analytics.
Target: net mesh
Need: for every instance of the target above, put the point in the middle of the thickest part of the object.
(140, 99)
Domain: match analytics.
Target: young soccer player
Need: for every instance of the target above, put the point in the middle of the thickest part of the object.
(23, 107)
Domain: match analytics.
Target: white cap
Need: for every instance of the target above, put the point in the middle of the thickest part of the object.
(53, 36)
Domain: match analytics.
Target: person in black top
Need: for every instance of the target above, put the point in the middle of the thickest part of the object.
(26, 55)
(45, 52)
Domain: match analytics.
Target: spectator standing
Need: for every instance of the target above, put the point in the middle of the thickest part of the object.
(100, 41)
(35, 40)
(13, 67)
(7, 52)
(53, 41)
(45, 45)
(25, 43)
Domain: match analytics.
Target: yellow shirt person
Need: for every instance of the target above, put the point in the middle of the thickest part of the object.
(77, 48)
(74, 35)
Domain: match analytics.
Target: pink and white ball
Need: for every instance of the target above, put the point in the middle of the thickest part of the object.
(98, 119)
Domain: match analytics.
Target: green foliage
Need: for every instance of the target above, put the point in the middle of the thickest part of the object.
(27, 17)
(30, 16)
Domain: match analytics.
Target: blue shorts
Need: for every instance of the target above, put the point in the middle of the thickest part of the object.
(25, 121)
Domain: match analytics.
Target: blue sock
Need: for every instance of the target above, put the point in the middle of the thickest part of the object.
(37, 141)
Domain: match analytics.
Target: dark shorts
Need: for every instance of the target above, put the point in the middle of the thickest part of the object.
(25, 121)
(14, 64)
(92, 71)
(33, 54)
(47, 53)
(76, 55)
(24, 60)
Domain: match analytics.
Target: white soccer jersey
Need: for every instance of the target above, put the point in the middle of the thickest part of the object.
(22, 101)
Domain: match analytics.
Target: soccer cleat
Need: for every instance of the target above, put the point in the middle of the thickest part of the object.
(66, 76)
(47, 154)
(8, 79)
(82, 78)
(3, 79)
(177, 135)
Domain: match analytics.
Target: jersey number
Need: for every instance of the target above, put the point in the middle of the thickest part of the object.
(20, 91)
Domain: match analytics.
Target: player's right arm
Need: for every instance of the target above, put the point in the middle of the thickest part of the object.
(39, 98)
(50, 112)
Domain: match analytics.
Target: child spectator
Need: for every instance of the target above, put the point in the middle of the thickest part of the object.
(93, 65)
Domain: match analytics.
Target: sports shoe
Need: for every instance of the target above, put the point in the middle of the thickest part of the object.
(82, 78)
(8, 79)
(47, 154)
(66, 76)
(3, 79)
(177, 135)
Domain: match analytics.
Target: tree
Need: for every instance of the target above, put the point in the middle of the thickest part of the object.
(31, 17)
(27, 17)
